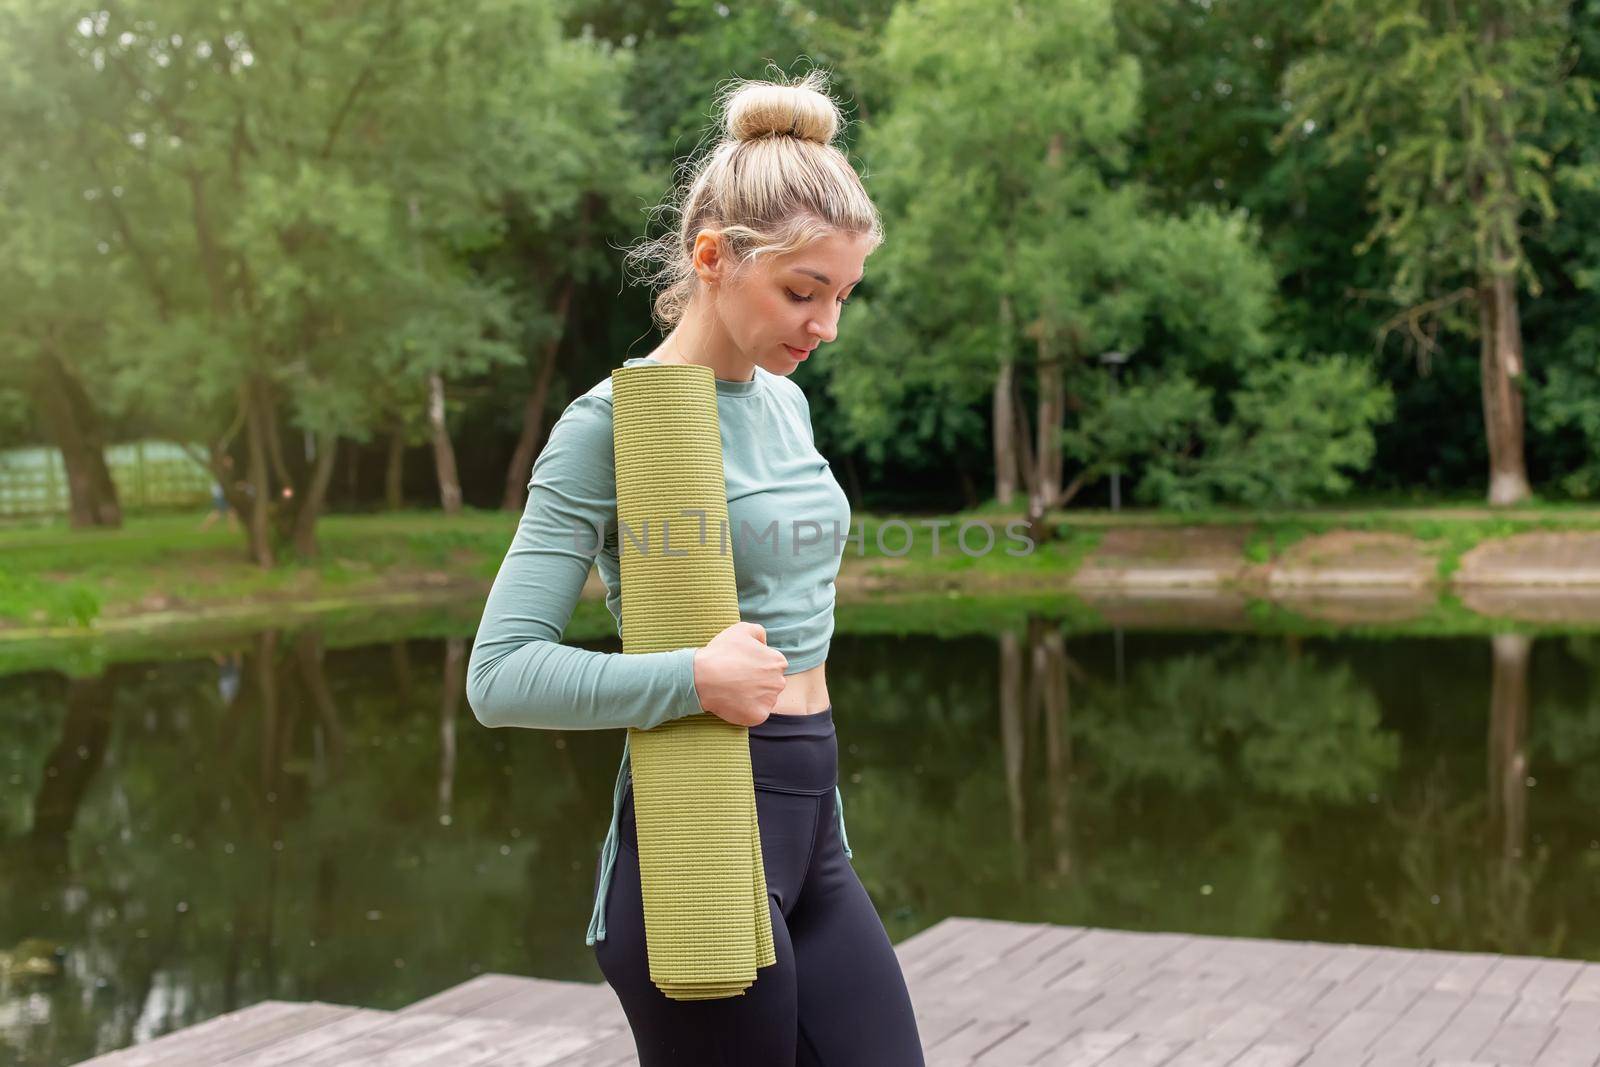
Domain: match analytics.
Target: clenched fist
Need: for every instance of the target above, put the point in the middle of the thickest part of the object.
(738, 678)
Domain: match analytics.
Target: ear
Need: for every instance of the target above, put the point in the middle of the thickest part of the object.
(709, 257)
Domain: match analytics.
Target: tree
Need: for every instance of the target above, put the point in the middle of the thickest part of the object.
(1451, 101)
(292, 199)
(53, 343)
(1017, 242)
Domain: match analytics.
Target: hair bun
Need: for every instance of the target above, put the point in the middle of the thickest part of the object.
(767, 109)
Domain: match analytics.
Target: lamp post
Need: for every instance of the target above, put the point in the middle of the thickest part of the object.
(1115, 360)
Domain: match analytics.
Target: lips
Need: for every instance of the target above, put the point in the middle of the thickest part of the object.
(798, 353)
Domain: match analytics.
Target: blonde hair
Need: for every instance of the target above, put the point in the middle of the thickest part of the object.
(772, 183)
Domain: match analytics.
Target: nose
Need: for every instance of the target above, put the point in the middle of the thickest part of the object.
(825, 329)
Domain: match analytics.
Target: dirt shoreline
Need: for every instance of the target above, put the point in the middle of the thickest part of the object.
(1340, 576)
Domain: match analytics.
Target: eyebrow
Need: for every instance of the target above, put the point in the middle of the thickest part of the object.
(823, 278)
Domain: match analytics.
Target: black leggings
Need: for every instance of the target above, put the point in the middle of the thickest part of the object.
(836, 997)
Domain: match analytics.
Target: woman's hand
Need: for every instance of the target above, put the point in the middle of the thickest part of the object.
(737, 677)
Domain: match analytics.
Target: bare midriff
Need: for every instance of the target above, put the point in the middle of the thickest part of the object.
(804, 693)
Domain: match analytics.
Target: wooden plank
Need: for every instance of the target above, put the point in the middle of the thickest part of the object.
(929, 939)
(938, 1025)
(469, 996)
(974, 954)
(1508, 975)
(970, 1042)
(293, 1049)
(544, 1046)
(367, 1047)
(142, 1053)
(1516, 1042)
(459, 1042)
(572, 1003)
(1269, 1055)
(997, 993)
(1569, 1048)
(1551, 980)
(1084, 1049)
(618, 1050)
(1586, 986)
(1208, 1053)
(228, 1035)
(1143, 1052)
(1037, 1037)
(1469, 1030)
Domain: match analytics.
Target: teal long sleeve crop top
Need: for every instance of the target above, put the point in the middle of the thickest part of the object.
(788, 522)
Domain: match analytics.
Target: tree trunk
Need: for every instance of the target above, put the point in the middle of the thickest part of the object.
(1508, 733)
(267, 690)
(258, 515)
(1045, 483)
(74, 426)
(352, 473)
(394, 468)
(455, 677)
(533, 411)
(1023, 441)
(444, 455)
(1501, 373)
(79, 753)
(852, 479)
(1052, 404)
(1004, 431)
(1058, 758)
(1013, 736)
(266, 397)
(308, 650)
(1044, 487)
(969, 488)
(305, 519)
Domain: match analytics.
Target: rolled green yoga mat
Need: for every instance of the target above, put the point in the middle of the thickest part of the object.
(706, 923)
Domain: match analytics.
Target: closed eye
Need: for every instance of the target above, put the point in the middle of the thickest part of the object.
(798, 299)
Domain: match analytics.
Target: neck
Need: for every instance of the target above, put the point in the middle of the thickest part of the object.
(700, 339)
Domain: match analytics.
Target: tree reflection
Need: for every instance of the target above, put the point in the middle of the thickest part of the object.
(455, 678)
(1468, 878)
(1508, 733)
(190, 855)
(1169, 802)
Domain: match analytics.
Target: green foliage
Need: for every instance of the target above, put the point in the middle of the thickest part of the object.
(1297, 729)
(1298, 431)
(1001, 163)
(305, 204)
(1451, 104)
(1295, 432)
(38, 602)
(340, 203)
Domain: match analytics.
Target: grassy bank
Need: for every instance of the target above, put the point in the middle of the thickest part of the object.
(52, 577)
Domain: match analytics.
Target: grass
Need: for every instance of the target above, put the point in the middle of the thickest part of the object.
(52, 576)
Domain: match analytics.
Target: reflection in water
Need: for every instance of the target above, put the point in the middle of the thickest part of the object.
(451, 694)
(1468, 874)
(1508, 728)
(334, 825)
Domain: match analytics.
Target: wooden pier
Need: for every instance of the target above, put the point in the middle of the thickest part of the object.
(1005, 994)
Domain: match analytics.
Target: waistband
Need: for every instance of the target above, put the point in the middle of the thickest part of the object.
(819, 724)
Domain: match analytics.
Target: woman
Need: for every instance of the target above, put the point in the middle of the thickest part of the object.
(774, 230)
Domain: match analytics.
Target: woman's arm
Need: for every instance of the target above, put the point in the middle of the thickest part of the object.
(519, 674)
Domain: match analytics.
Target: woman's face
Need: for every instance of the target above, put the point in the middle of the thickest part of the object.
(780, 308)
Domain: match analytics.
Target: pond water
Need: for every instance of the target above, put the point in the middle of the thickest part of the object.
(286, 820)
